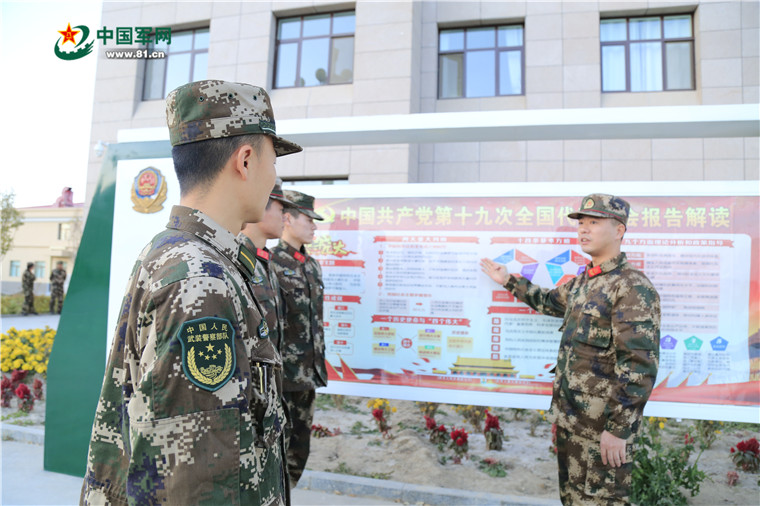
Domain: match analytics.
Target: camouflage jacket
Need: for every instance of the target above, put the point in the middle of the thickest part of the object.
(609, 352)
(57, 277)
(189, 412)
(303, 343)
(27, 280)
(266, 289)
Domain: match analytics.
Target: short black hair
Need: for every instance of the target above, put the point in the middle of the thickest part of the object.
(201, 162)
(293, 211)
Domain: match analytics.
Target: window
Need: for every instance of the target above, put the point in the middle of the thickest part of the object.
(480, 62)
(39, 269)
(315, 50)
(15, 270)
(653, 53)
(64, 231)
(186, 61)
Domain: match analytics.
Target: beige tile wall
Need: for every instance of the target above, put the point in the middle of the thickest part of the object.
(395, 72)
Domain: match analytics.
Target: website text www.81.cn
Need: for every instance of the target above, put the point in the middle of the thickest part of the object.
(135, 54)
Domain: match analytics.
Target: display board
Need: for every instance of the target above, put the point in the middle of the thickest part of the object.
(409, 315)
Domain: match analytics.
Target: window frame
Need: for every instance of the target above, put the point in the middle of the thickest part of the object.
(278, 42)
(497, 52)
(168, 52)
(14, 269)
(39, 269)
(662, 40)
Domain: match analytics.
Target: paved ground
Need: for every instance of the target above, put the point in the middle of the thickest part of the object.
(24, 482)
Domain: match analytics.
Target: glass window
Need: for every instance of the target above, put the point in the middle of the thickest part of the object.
(186, 61)
(315, 50)
(480, 62)
(613, 68)
(39, 269)
(15, 270)
(652, 53)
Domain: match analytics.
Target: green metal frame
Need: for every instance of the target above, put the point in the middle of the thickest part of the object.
(77, 362)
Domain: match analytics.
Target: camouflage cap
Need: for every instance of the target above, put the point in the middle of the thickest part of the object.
(276, 194)
(603, 206)
(213, 109)
(304, 203)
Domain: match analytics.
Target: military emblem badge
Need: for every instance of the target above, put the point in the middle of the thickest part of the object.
(588, 204)
(208, 352)
(149, 191)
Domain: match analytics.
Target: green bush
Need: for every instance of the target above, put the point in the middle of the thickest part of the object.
(12, 304)
(660, 472)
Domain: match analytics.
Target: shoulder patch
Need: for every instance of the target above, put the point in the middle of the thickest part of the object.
(289, 272)
(208, 352)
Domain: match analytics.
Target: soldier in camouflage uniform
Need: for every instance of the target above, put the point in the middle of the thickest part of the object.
(266, 288)
(27, 286)
(608, 355)
(57, 278)
(189, 412)
(303, 347)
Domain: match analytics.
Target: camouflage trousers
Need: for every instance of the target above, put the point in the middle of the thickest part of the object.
(584, 479)
(298, 437)
(56, 300)
(28, 306)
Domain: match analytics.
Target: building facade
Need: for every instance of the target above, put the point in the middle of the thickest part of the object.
(337, 59)
(47, 235)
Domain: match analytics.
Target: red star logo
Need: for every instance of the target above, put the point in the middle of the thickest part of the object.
(68, 35)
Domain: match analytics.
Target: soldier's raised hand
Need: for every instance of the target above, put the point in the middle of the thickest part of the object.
(495, 271)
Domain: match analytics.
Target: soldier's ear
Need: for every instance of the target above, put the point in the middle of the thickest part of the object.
(620, 230)
(241, 160)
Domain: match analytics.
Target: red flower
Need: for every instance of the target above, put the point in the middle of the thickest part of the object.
(429, 423)
(22, 392)
(733, 449)
(441, 428)
(750, 445)
(492, 422)
(378, 414)
(460, 441)
(5, 383)
(18, 375)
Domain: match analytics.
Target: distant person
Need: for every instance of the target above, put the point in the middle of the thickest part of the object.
(57, 278)
(27, 286)
(190, 411)
(608, 355)
(303, 346)
(66, 199)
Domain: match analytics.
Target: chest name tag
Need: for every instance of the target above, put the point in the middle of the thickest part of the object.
(208, 352)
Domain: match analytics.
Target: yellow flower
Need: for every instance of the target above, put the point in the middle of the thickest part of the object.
(662, 425)
(393, 410)
(651, 419)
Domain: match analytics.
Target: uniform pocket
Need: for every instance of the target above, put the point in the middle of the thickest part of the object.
(266, 405)
(593, 330)
(187, 459)
(605, 481)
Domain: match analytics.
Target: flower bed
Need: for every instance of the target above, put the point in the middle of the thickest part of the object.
(26, 350)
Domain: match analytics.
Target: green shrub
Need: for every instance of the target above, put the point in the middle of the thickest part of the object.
(12, 304)
(659, 472)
